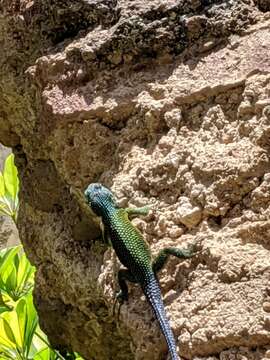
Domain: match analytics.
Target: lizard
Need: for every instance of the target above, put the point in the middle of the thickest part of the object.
(134, 253)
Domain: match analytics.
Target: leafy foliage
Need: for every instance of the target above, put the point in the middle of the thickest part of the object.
(17, 331)
(20, 335)
(16, 275)
(9, 189)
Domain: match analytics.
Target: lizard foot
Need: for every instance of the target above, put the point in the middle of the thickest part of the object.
(120, 299)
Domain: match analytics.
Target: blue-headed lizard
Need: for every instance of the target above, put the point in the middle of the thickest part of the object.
(134, 253)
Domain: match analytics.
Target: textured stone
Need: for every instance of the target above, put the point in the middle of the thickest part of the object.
(167, 103)
(187, 214)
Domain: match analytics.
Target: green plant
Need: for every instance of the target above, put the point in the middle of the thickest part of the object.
(19, 338)
(20, 335)
(9, 189)
(16, 275)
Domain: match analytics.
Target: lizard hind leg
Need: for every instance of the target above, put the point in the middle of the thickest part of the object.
(124, 275)
(164, 254)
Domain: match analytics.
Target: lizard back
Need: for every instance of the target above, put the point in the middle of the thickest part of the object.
(129, 245)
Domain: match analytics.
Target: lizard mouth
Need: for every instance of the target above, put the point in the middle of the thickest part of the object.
(95, 187)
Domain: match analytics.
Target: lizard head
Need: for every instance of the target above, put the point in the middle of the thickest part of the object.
(99, 198)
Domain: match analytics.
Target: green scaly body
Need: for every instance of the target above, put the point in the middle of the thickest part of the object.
(129, 245)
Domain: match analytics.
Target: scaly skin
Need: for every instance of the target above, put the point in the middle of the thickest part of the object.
(134, 254)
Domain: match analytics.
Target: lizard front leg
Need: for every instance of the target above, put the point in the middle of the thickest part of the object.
(164, 254)
(132, 212)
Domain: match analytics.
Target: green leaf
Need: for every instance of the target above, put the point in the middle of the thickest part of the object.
(44, 354)
(16, 273)
(11, 281)
(78, 356)
(31, 323)
(8, 252)
(11, 177)
(4, 209)
(4, 306)
(16, 261)
(22, 318)
(6, 260)
(8, 331)
(3, 309)
(13, 320)
(25, 273)
(17, 327)
(2, 185)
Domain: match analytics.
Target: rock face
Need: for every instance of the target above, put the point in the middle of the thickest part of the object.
(168, 104)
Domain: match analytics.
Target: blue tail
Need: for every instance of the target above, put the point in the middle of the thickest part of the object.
(153, 295)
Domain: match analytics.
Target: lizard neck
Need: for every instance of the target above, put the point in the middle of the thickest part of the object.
(107, 213)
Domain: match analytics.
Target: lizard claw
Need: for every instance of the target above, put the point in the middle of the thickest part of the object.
(196, 248)
(193, 248)
(120, 299)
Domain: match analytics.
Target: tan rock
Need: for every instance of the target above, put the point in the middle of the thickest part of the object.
(166, 103)
(187, 214)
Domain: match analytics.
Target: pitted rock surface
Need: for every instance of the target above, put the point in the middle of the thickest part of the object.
(168, 104)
